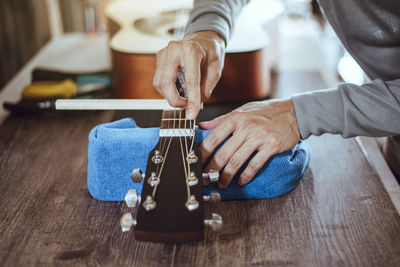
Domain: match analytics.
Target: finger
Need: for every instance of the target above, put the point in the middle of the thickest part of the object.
(192, 59)
(164, 82)
(223, 155)
(207, 125)
(236, 162)
(209, 80)
(166, 73)
(215, 138)
(255, 164)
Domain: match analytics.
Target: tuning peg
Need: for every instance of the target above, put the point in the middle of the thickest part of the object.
(215, 222)
(192, 203)
(157, 158)
(192, 179)
(154, 179)
(132, 198)
(191, 157)
(213, 197)
(212, 176)
(137, 175)
(127, 222)
(149, 203)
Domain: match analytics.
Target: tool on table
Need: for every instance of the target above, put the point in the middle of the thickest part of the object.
(85, 84)
(180, 82)
(28, 107)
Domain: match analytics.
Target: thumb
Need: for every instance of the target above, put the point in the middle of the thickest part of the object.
(207, 125)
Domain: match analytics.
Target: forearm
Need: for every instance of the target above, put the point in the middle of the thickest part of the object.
(372, 109)
(214, 15)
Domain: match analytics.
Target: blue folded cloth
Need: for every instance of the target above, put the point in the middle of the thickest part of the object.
(116, 148)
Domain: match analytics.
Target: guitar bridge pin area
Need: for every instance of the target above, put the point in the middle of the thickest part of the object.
(157, 158)
(191, 157)
(154, 179)
(149, 204)
(192, 203)
(192, 180)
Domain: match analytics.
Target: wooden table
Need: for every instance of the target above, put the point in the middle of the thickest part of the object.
(339, 215)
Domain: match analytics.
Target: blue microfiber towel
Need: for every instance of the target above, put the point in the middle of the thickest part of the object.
(116, 148)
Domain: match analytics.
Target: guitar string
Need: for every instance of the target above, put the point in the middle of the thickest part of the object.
(187, 151)
(183, 158)
(192, 131)
(162, 164)
(186, 144)
(162, 143)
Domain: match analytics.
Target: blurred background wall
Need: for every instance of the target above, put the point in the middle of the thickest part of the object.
(24, 29)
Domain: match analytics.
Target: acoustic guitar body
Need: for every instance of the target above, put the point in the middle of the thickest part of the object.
(138, 29)
(244, 77)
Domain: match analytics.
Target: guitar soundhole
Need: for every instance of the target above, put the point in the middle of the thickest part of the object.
(166, 23)
(171, 31)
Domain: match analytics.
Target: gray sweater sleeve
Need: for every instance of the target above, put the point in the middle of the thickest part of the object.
(214, 15)
(372, 109)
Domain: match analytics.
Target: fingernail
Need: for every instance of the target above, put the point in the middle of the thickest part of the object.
(190, 114)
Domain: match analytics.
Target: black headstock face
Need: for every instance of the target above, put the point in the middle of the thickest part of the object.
(171, 208)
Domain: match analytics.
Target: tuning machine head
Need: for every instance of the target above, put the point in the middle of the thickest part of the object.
(157, 158)
(149, 203)
(214, 197)
(132, 198)
(212, 176)
(127, 222)
(215, 222)
(191, 157)
(137, 175)
(192, 179)
(192, 203)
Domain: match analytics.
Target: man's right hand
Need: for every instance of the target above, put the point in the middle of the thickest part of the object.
(201, 54)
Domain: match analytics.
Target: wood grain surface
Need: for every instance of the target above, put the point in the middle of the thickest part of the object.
(339, 215)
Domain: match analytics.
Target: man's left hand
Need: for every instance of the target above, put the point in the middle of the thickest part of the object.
(265, 127)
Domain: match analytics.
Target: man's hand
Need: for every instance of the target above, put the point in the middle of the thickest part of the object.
(201, 54)
(265, 127)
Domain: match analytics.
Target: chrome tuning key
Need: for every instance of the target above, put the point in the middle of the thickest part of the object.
(215, 222)
(132, 198)
(212, 176)
(192, 203)
(154, 179)
(137, 175)
(191, 157)
(192, 179)
(157, 158)
(127, 222)
(149, 203)
(214, 197)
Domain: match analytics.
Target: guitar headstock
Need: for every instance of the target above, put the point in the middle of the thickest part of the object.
(171, 206)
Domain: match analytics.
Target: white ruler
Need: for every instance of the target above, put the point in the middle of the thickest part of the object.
(113, 104)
